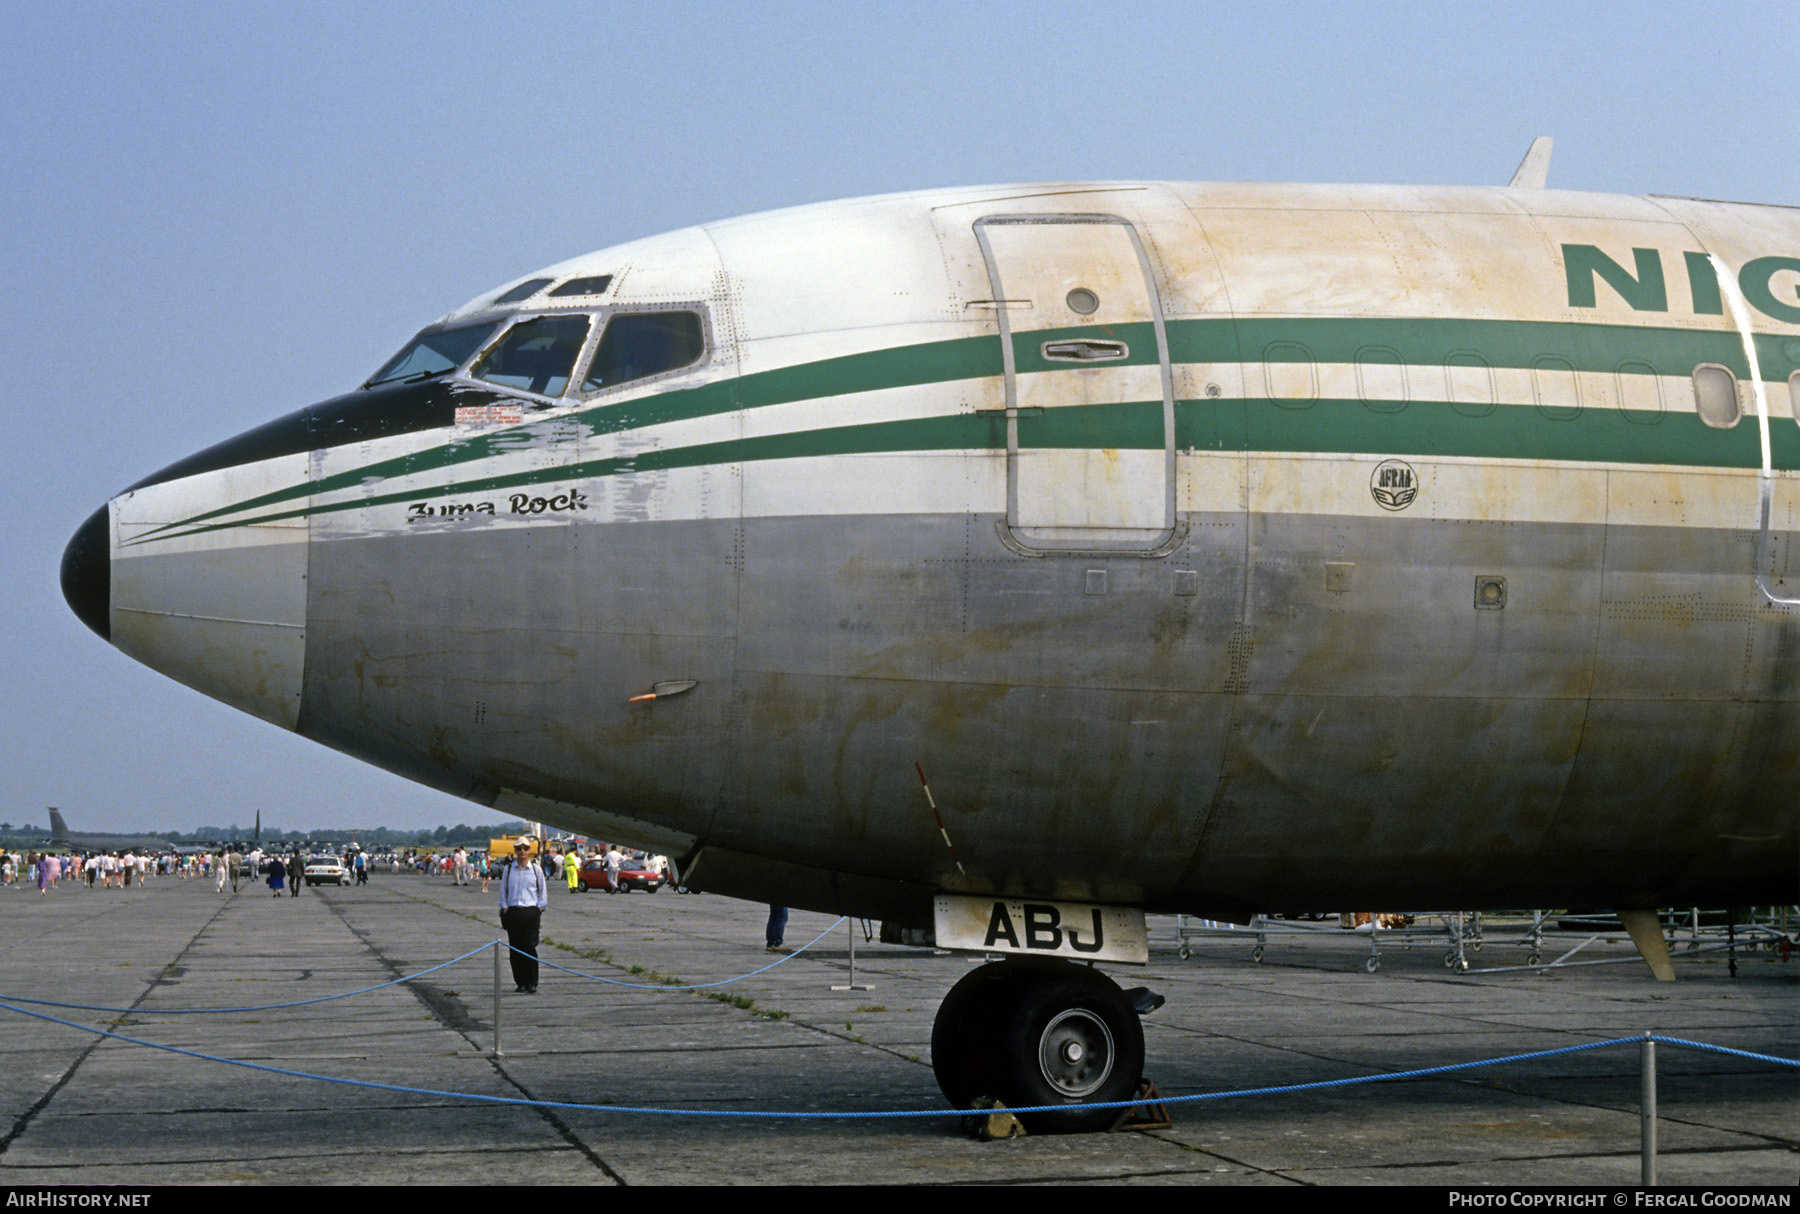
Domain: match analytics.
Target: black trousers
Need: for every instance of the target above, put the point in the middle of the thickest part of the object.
(521, 924)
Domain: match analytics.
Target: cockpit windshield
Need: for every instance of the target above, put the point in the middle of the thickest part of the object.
(540, 353)
(537, 355)
(433, 352)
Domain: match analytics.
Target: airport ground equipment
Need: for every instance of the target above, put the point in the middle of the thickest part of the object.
(1461, 933)
(1565, 938)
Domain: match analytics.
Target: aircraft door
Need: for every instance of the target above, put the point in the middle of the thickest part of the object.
(1090, 408)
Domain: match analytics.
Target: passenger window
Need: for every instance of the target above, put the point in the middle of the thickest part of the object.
(1716, 396)
(1381, 379)
(637, 345)
(1556, 387)
(536, 355)
(1470, 381)
(1289, 375)
(1640, 393)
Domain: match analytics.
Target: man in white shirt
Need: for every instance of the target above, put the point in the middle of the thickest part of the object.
(524, 895)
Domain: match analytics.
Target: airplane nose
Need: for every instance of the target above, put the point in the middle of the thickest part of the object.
(87, 573)
(196, 574)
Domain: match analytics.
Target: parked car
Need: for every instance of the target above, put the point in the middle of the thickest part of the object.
(635, 873)
(326, 869)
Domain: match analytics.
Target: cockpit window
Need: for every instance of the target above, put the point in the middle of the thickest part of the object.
(524, 290)
(536, 355)
(640, 344)
(585, 286)
(432, 352)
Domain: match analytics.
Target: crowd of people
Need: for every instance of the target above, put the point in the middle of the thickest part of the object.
(103, 870)
(227, 867)
(283, 869)
(525, 875)
(561, 862)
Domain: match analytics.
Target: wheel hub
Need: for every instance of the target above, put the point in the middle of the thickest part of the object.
(1075, 1053)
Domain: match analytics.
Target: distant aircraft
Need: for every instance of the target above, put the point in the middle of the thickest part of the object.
(1209, 548)
(61, 837)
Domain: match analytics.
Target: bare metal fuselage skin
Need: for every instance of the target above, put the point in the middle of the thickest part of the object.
(1210, 547)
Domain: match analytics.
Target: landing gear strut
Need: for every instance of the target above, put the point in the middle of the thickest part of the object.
(1031, 1032)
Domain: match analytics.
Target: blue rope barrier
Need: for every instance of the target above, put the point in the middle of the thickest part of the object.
(1722, 1049)
(773, 1114)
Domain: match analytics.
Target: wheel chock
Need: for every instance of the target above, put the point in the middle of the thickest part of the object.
(994, 1122)
(1149, 1113)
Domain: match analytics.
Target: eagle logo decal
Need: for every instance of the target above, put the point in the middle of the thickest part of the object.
(1394, 484)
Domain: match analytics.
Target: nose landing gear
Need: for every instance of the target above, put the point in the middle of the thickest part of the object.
(1039, 1032)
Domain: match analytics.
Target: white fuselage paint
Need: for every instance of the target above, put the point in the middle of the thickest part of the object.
(853, 386)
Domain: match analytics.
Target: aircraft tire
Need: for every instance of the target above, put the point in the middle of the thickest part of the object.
(1068, 1036)
(960, 1035)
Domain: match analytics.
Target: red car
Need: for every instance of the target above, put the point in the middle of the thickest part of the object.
(634, 873)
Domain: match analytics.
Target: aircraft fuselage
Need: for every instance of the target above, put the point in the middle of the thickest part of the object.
(1209, 547)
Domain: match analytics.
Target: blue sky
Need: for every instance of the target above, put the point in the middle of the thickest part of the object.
(217, 213)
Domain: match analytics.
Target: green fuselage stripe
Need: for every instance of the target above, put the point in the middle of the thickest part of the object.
(1422, 429)
(1427, 344)
(1416, 427)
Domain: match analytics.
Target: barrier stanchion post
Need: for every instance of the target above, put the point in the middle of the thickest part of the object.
(499, 947)
(854, 985)
(1647, 1101)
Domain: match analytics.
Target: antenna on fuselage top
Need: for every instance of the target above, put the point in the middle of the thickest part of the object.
(1535, 168)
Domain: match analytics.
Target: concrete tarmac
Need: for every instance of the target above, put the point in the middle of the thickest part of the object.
(86, 1110)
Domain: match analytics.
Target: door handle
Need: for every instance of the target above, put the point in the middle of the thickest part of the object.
(1084, 350)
